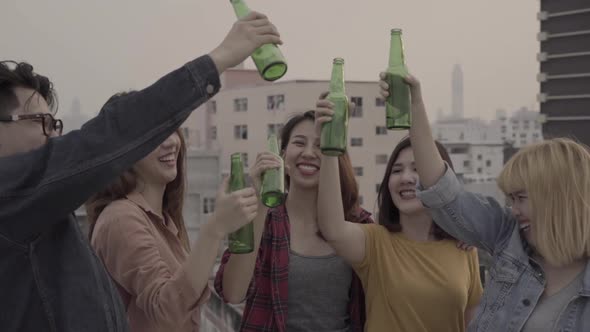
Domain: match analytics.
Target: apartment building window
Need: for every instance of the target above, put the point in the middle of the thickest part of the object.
(377, 187)
(459, 150)
(240, 104)
(274, 128)
(208, 205)
(488, 163)
(275, 102)
(245, 159)
(503, 129)
(213, 132)
(461, 136)
(479, 170)
(185, 133)
(241, 132)
(479, 157)
(361, 200)
(466, 163)
(379, 102)
(356, 141)
(212, 106)
(380, 130)
(535, 135)
(522, 135)
(381, 159)
(358, 171)
(357, 112)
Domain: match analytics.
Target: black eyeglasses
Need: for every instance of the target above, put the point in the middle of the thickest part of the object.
(48, 122)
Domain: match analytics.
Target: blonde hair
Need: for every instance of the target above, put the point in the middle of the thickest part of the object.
(556, 176)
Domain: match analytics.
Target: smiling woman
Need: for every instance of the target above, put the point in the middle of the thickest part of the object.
(138, 231)
(391, 199)
(292, 266)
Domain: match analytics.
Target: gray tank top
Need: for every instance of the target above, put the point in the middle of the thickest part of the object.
(318, 293)
(548, 309)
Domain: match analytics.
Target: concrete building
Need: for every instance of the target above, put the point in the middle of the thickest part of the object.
(475, 148)
(247, 109)
(565, 68)
(522, 128)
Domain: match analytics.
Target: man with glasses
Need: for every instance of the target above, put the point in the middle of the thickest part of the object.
(50, 280)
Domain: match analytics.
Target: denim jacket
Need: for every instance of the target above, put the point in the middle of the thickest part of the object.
(50, 279)
(516, 282)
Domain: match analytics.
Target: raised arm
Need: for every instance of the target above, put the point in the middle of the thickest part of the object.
(237, 272)
(471, 218)
(41, 187)
(347, 238)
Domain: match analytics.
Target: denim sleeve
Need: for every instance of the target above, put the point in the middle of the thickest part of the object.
(41, 187)
(472, 218)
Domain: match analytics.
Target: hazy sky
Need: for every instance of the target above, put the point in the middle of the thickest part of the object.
(92, 49)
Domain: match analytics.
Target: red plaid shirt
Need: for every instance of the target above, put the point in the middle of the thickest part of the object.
(266, 301)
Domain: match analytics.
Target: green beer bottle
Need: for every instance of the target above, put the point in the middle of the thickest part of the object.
(334, 133)
(242, 240)
(273, 180)
(269, 60)
(397, 105)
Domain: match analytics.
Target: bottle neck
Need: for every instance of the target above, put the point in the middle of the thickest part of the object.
(240, 8)
(337, 80)
(273, 144)
(236, 179)
(396, 51)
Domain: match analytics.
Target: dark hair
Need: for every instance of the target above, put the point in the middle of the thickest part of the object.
(127, 182)
(348, 184)
(22, 75)
(388, 212)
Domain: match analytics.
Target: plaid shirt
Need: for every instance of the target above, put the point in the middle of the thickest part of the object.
(266, 304)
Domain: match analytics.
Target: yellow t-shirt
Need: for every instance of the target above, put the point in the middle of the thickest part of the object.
(416, 286)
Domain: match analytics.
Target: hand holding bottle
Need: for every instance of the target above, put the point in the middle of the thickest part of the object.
(246, 35)
(264, 161)
(324, 111)
(413, 82)
(233, 209)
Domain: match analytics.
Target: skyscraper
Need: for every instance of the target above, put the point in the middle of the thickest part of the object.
(457, 92)
(565, 68)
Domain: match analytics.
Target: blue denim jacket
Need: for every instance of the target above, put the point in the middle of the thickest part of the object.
(516, 283)
(50, 279)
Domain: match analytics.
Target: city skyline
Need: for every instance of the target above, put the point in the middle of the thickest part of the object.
(68, 41)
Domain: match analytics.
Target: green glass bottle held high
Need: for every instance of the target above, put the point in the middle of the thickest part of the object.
(269, 59)
(334, 134)
(397, 104)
